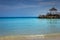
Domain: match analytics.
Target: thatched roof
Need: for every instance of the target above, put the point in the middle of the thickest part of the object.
(53, 9)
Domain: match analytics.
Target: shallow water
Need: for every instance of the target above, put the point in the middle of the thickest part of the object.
(28, 26)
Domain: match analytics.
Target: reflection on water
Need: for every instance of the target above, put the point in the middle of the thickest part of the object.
(53, 25)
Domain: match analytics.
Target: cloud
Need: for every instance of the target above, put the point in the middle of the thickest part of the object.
(10, 8)
(50, 3)
(17, 4)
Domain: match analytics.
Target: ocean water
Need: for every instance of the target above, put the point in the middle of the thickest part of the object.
(28, 26)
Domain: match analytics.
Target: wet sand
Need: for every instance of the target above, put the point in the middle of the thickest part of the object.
(32, 37)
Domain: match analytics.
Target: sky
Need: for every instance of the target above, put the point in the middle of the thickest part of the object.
(26, 8)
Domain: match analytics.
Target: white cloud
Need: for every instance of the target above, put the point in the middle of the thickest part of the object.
(6, 8)
(49, 3)
(21, 5)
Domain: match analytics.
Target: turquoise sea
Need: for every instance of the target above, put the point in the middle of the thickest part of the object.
(28, 26)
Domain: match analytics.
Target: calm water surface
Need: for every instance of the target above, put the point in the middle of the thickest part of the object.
(28, 26)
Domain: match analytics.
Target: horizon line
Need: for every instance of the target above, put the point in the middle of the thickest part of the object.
(18, 17)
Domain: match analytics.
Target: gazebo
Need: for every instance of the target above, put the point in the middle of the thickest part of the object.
(53, 10)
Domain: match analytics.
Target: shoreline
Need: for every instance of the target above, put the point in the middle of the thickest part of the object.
(31, 37)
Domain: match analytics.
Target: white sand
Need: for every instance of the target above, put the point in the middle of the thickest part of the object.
(32, 37)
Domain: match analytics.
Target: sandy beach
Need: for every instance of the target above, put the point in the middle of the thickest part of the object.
(32, 37)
